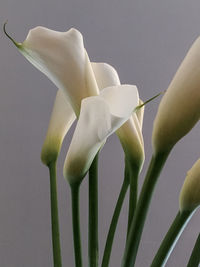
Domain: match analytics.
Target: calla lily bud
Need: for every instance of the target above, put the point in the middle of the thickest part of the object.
(130, 133)
(61, 120)
(100, 116)
(132, 141)
(189, 198)
(61, 56)
(179, 109)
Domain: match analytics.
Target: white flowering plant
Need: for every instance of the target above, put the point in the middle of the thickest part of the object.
(92, 94)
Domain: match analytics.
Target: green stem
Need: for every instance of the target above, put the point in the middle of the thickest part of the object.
(93, 250)
(171, 238)
(137, 225)
(195, 256)
(113, 225)
(76, 224)
(134, 172)
(54, 216)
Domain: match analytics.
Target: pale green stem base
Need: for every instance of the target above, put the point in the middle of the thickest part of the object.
(93, 252)
(76, 224)
(54, 216)
(137, 224)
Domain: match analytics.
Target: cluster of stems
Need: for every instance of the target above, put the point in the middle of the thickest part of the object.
(138, 209)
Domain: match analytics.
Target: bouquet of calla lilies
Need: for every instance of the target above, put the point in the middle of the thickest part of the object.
(92, 93)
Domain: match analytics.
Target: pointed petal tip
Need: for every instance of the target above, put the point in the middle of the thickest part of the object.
(74, 34)
(6, 33)
(18, 45)
(74, 31)
(149, 100)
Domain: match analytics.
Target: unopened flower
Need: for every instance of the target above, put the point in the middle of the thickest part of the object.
(189, 198)
(100, 116)
(132, 141)
(179, 108)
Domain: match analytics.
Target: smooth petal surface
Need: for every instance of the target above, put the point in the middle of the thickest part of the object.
(179, 108)
(130, 133)
(105, 75)
(62, 57)
(61, 120)
(189, 198)
(63, 115)
(100, 116)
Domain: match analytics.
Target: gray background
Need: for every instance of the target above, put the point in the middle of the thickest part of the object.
(145, 41)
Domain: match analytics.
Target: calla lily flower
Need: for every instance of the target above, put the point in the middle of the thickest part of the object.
(100, 116)
(61, 120)
(179, 109)
(130, 133)
(189, 198)
(63, 116)
(61, 56)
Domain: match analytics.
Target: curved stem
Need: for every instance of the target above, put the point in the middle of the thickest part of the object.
(171, 238)
(137, 225)
(195, 256)
(114, 221)
(54, 216)
(76, 224)
(93, 252)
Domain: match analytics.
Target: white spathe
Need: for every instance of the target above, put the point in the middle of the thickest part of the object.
(62, 57)
(62, 117)
(105, 75)
(189, 198)
(179, 108)
(100, 116)
(130, 133)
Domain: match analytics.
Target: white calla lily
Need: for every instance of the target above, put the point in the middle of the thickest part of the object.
(189, 198)
(61, 56)
(179, 108)
(62, 117)
(100, 116)
(130, 133)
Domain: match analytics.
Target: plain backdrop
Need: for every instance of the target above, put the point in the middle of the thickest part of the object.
(145, 41)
